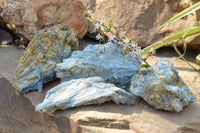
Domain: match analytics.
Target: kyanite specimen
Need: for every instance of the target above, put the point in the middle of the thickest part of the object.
(106, 61)
(84, 91)
(162, 88)
(37, 64)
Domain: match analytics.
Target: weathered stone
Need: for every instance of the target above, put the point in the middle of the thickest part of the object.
(46, 49)
(108, 115)
(190, 128)
(106, 61)
(30, 16)
(102, 119)
(17, 115)
(85, 91)
(141, 19)
(138, 116)
(5, 37)
(162, 88)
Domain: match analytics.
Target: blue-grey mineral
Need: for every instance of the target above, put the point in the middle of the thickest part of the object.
(84, 91)
(37, 64)
(162, 88)
(106, 61)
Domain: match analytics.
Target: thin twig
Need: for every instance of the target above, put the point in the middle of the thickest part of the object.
(146, 62)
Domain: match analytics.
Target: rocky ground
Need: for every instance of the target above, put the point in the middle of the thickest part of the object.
(17, 113)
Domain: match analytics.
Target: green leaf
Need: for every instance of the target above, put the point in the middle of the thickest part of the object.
(183, 13)
(145, 66)
(86, 15)
(191, 31)
(198, 59)
(107, 30)
(111, 25)
(95, 22)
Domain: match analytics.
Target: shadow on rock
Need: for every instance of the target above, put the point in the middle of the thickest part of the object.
(17, 115)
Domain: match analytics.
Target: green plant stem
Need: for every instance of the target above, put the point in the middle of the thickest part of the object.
(110, 30)
(146, 62)
(178, 36)
(179, 53)
(104, 26)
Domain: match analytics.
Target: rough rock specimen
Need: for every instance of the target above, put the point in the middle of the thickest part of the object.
(141, 19)
(30, 16)
(106, 61)
(84, 91)
(162, 88)
(49, 47)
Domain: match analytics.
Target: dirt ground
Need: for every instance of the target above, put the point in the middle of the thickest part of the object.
(17, 114)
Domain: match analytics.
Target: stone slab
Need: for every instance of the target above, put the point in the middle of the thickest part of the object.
(17, 115)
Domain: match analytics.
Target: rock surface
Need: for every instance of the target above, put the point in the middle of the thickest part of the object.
(17, 115)
(5, 37)
(49, 47)
(30, 16)
(80, 92)
(92, 118)
(190, 128)
(106, 61)
(141, 19)
(162, 88)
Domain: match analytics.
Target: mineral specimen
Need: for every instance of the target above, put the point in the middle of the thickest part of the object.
(162, 88)
(49, 47)
(84, 91)
(106, 61)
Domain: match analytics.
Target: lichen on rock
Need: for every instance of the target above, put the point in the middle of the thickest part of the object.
(49, 47)
(84, 91)
(162, 88)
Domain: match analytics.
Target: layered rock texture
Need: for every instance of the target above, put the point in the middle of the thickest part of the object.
(81, 92)
(17, 115)
(141, 19)
(106, 61)
(162, 88)
(27, 17)
(49, 47)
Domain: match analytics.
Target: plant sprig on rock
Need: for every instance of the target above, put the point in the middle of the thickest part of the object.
(117, 37)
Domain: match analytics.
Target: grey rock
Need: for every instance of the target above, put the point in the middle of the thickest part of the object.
(5, 37)
(162, 88)
(37, 64)
(106, 61)
(84, 91)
